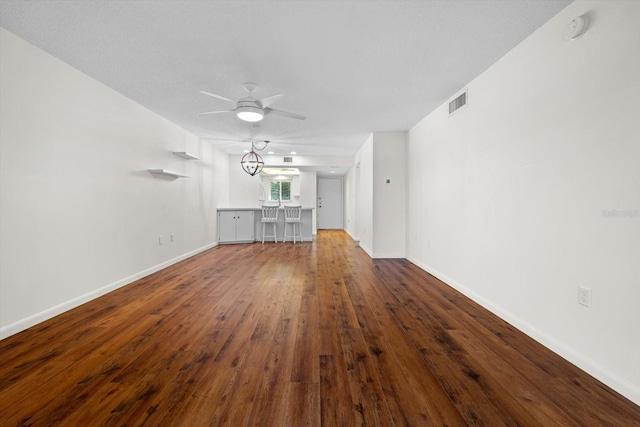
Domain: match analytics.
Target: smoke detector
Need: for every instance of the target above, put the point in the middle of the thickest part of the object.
(576, 28)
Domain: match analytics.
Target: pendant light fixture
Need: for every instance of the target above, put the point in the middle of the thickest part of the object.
(252, 162)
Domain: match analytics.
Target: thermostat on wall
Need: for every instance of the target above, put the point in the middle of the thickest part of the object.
(576, 28)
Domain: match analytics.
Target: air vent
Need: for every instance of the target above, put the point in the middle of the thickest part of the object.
(288, 159)
(459, 102)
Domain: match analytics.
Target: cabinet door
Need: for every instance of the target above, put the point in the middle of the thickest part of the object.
(226, 226)
(244, 226)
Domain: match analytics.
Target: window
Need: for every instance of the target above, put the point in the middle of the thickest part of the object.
(280, 190)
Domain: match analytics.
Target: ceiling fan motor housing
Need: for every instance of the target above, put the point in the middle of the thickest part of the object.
(249, 103)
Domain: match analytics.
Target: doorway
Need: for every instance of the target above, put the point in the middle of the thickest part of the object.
(330, 203)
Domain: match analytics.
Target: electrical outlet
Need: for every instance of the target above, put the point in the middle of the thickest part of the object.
(584, 296)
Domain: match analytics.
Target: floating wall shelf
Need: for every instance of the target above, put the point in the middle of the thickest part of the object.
(186, 155)
(168, 173)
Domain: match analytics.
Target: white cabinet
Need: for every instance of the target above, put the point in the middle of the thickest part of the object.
(235, 226)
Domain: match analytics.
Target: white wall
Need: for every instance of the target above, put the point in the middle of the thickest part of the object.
(79, 213)
(389, 198)
(364, 196)
(350, 197)
(243, 188)
(309, 195)
(222, 185)
(374, 209)
(303, 161)
(510, 198)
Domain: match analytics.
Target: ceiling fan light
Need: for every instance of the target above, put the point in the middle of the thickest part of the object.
(249, 113)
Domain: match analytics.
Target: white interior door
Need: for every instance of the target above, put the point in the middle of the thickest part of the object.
(330, 203)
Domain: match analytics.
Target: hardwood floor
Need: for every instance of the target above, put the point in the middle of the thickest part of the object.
(292, 335)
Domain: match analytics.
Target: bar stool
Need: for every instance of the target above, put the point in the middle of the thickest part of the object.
(292, 216)
(269, 216)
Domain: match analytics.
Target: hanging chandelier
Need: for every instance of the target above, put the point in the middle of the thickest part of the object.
(252, 162)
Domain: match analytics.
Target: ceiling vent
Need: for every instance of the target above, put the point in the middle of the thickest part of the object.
(288, 159)
(457, 103)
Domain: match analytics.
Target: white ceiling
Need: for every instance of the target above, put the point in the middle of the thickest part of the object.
(352, 67)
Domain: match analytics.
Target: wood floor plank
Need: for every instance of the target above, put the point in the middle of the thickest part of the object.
(314, 334)
(303, 406)
(269, 406)
(232, 407)
(336, 403)
(431, 404)
(366, 391)
(528, 394)
(61, 379)
(533, 400)
(458, 372)
(389, 372)
(208, 388)
(306, 360)
(547, 373)
(326, 317)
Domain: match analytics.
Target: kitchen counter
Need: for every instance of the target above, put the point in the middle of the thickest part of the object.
(255, 209)
(236, 226)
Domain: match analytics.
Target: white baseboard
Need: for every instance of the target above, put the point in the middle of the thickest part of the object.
(622, 386)
(386, 255)
(354, 238)
(47, 314)
(367, 250)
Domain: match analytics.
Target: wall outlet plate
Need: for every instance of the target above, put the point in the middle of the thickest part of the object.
(584, 296)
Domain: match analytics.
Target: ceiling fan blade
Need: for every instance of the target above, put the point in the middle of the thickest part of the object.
(283, 113)
(265, 102)
(215, 112)
(228, 139)
(216, 96)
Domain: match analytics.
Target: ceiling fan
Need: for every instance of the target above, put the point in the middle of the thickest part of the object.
(250, 109)
(250, 140)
